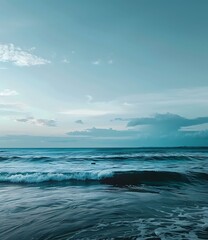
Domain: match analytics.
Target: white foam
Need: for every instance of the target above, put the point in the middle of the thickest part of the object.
(38, 177)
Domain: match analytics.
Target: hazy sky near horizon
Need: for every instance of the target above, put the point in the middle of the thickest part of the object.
(79, 73)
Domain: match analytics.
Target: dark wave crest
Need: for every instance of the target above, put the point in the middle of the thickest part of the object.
(153, 178)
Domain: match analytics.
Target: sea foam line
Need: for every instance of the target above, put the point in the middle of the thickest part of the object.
(38, 177)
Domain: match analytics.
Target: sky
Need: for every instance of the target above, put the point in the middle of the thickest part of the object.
(103, 73)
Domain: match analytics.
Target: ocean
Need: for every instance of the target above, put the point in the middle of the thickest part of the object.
(89, 193)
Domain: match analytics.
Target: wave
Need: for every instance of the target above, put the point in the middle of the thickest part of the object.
(154, 178)
(106, 177)
(38, 177)
(152, 157)
(26, 158)
(117, 157)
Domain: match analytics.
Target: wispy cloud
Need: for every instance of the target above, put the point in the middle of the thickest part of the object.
(110, 61)
(79, 122)
(15, 106)
(65, 60)
(14, 113)
(8, 92)
(89, 98)
(195, 128)
(15, 109)
(188, 102)
(86, 112)
(99, 61)
(38, 122)
(96, 62)
(19, 57)
(93, 108)
(126, 104)
(32, 49)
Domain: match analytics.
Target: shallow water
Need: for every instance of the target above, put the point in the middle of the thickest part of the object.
(104, 193)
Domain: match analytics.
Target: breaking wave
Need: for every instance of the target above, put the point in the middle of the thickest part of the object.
(106, 177)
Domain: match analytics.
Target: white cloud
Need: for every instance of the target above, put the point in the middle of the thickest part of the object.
(19, 57)
(86, 112)
(127, 104)
(32, 49)
(65, 60)
(97, 62)
(8, 92)
(89, 98)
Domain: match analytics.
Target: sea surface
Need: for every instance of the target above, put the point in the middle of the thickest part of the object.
(132, 193)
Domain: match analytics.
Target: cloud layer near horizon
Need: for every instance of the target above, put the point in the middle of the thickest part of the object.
(160, 130)
(167, 122)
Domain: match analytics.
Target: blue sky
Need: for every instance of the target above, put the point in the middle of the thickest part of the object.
(97, 73)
